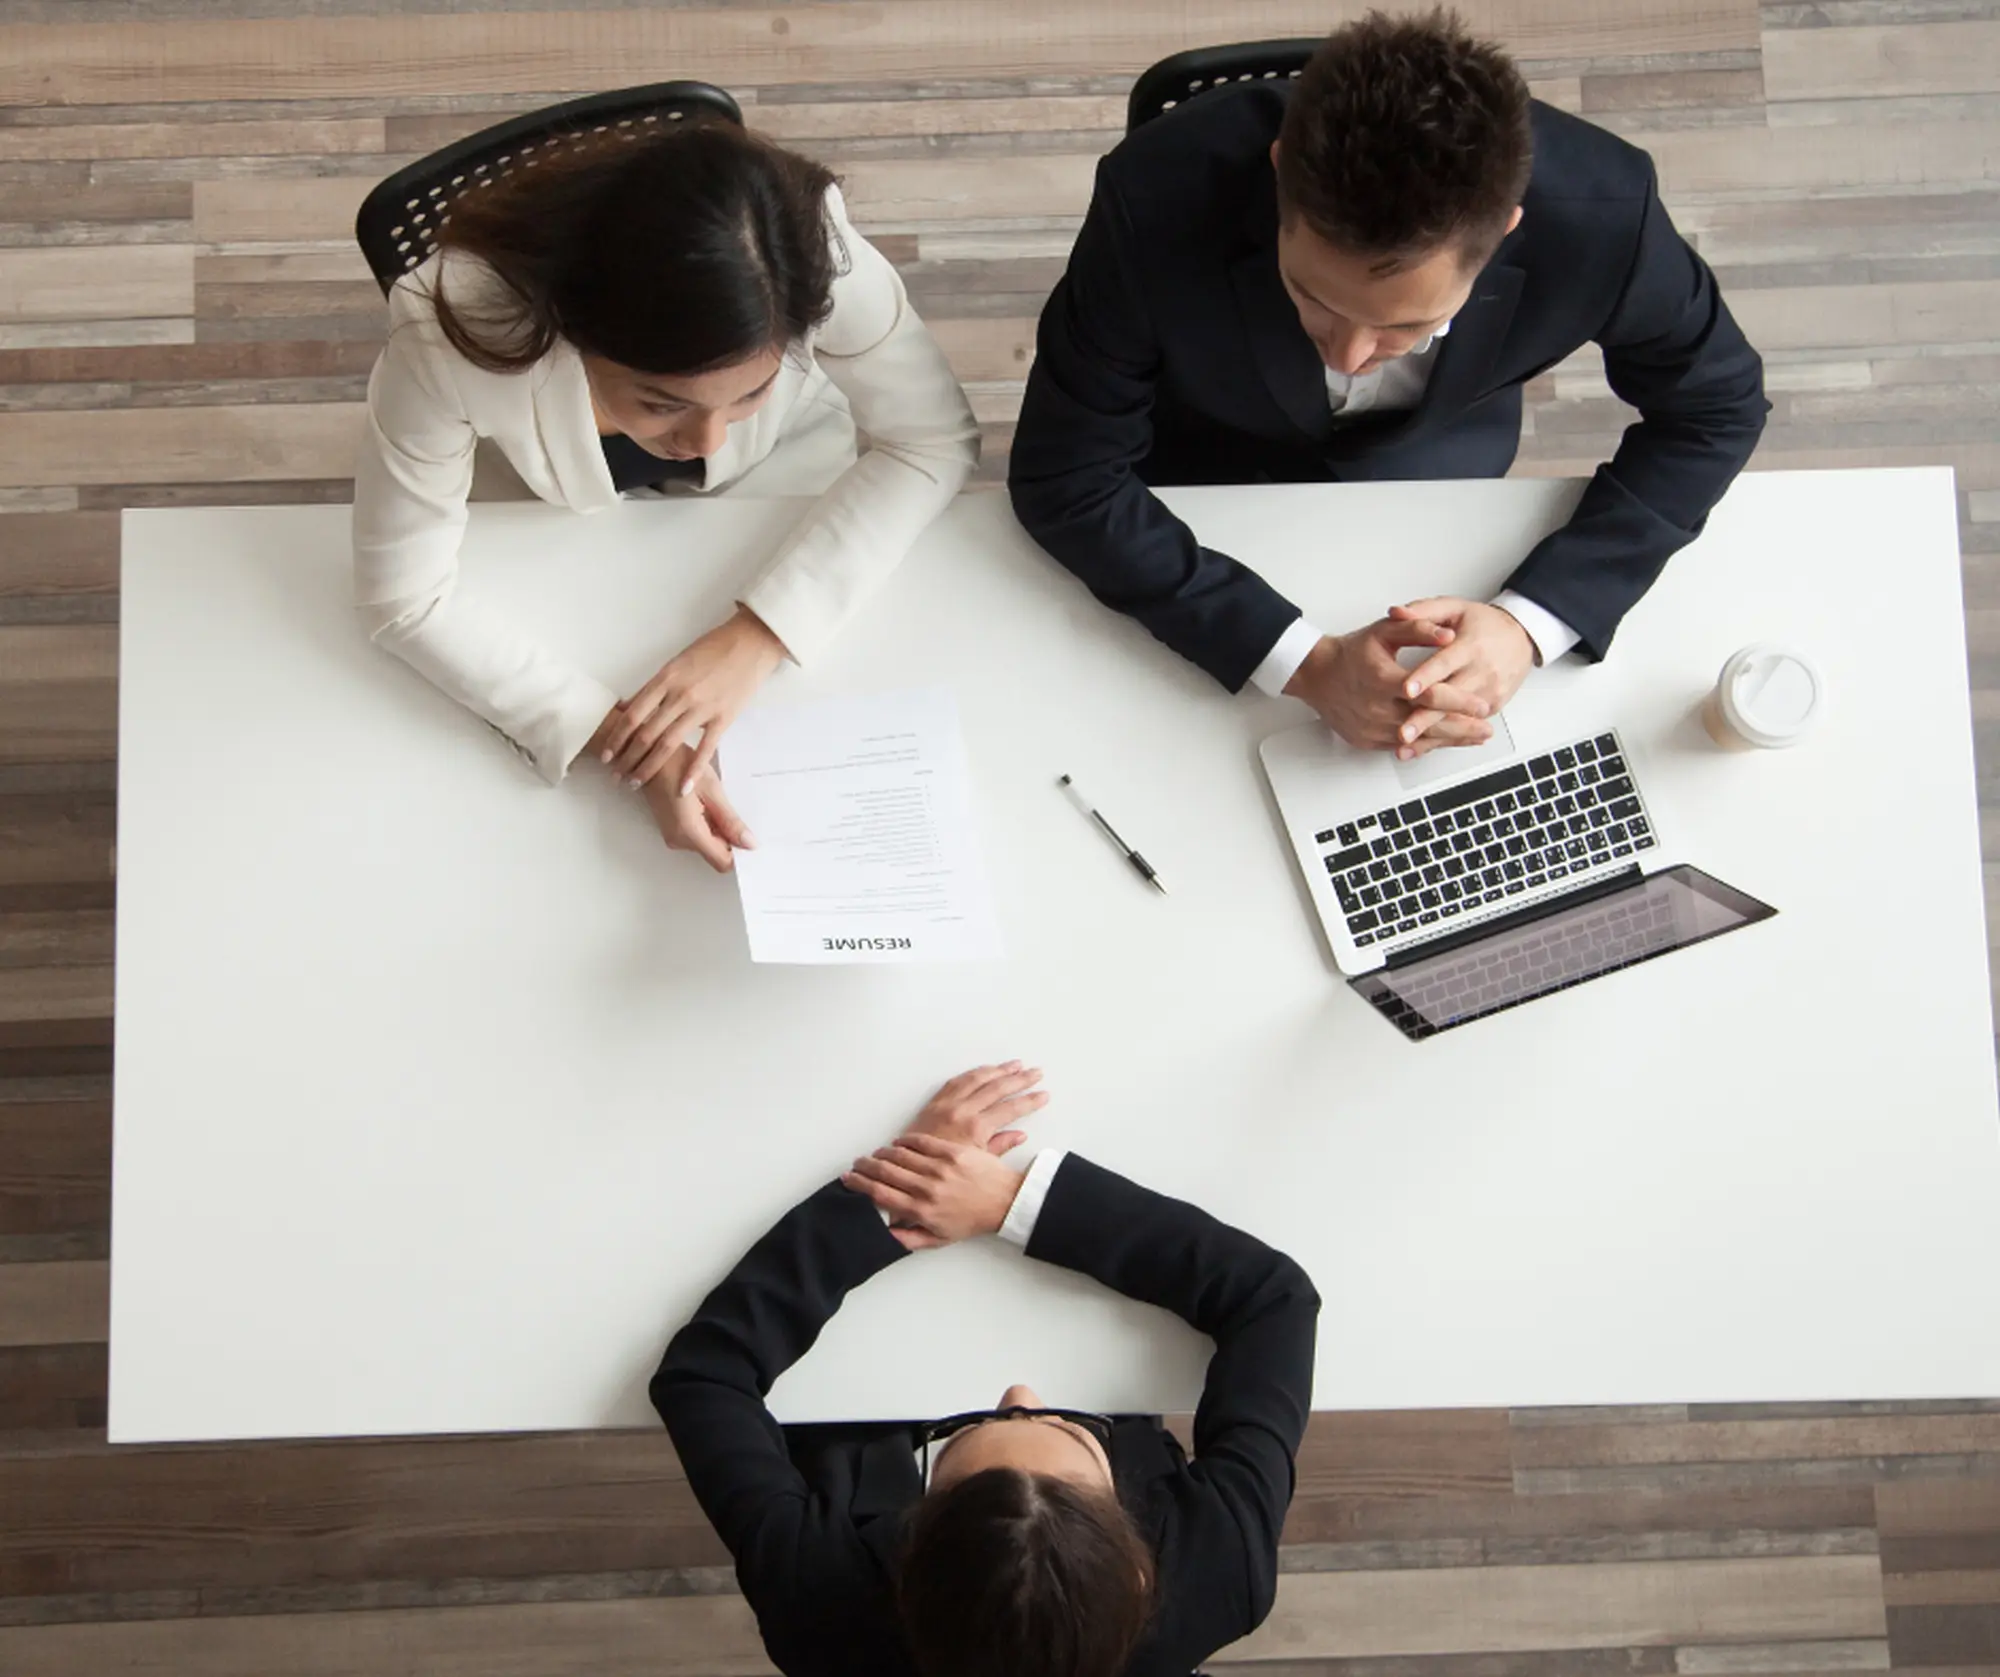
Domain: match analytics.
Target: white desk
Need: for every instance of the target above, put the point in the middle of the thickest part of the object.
(442, 1097)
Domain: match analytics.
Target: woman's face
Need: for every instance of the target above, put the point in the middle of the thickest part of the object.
(1031, 1444)
(681, 418)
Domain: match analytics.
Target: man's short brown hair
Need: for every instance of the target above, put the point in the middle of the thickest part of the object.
(1404, 135)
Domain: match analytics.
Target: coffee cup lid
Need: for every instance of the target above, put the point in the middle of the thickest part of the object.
(1771, 694)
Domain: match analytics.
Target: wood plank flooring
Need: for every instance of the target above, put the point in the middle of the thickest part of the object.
(183, 320)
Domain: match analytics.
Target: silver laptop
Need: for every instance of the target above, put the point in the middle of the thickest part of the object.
(1473, 880)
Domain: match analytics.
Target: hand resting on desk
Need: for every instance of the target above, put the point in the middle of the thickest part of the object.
(702, 820)
(1364, 693)
(697, 693)
(1482, 664)
(1359, 689)
(942, 1180)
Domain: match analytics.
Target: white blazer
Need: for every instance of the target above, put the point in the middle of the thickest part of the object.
(428, 407)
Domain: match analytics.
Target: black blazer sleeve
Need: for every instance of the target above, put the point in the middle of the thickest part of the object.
(1086, 424)
(1672, 350)
(792, 1550)
(1262, 1312)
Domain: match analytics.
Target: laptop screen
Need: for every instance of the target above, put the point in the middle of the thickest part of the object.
(1554, 948)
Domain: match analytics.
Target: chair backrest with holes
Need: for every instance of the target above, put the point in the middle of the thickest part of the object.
(1187, 75)
(397, 225)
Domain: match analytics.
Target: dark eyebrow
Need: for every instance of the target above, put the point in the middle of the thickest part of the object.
(1399, 326)
(653, 392)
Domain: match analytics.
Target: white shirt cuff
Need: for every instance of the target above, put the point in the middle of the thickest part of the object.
(1020, 1224)
(1551, 635)
(1282, 662)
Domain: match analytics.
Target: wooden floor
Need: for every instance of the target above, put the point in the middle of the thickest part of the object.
(183, 319)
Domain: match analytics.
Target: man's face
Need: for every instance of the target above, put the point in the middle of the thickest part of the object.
(1358, 318)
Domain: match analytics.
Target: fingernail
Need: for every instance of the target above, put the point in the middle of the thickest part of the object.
(749, 839)
(632, 785)
(1012, 1065)
(687, 786)
(604, 756)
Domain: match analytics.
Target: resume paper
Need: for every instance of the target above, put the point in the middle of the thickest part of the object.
(862, 813)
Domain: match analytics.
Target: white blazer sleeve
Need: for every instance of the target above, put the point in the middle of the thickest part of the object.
(921, 446)
(410, 485)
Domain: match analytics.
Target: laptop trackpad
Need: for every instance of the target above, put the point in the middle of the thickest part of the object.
(1449, 762)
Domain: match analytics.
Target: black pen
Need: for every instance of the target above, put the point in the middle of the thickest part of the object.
(1143, 867)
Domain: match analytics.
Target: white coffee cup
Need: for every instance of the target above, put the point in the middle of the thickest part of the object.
(1766, 697)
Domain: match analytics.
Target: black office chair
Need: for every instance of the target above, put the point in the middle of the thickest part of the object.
(1174, 81)
(398, 222)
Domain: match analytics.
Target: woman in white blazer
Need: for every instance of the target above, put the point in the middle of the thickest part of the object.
(674, 310)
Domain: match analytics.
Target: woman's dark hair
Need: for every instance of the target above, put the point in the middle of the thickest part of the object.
(673, 254)
(1404, 134)
(1012, 1574)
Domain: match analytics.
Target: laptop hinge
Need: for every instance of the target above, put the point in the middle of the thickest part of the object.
(1480, 930)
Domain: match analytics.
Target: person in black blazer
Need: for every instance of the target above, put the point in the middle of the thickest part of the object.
(1351, 278)
(1049, 1543)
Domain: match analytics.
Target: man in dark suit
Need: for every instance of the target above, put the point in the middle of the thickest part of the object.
(1047, 1543)
(1351, 278)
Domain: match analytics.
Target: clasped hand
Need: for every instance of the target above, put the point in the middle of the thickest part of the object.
(696, 695)
(1480, 656)
(663, 739)
(942, 1180)
(687, 805)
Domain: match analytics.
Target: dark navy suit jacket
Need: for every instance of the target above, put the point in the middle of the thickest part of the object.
(1170, 353)
(815, 1516)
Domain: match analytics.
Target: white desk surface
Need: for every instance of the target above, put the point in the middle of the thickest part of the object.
(442, 1096)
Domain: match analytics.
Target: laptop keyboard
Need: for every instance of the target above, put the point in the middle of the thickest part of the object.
(1630, 929)
(1414, 866)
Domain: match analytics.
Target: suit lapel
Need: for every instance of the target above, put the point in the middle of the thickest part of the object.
(1469, 349)
(566, 428)
(1284, 356)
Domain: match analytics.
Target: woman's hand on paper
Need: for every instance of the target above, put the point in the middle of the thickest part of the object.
(694, 698)
(936, 1191)
(701, 820)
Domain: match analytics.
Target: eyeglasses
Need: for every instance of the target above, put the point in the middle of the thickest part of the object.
(942, 1432)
